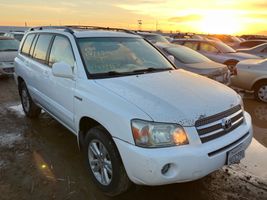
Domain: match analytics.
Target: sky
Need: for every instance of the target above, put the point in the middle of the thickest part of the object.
(201, 16)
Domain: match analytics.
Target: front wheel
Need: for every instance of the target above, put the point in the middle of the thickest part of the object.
(30, 109)
(260, 91)
(104, 163)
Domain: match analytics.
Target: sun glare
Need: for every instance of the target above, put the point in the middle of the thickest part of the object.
(220, 23)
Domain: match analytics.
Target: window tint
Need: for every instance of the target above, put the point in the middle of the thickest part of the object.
(191, 45)
(27, 44)
(61, 51)
(208, 48)
(41, 47)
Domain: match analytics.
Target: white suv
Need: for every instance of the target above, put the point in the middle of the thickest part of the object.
(137, 119)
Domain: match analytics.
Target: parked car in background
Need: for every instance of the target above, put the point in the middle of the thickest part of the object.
(260, 50)
(16, 35)
(216, 51)
(252, 76)
(190, 60)
(230, 40)
(136, 117)
(8, 51)
(250, 43)
(2, 33)
(153, 37)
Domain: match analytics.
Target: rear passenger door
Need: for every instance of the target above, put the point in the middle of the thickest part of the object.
(40, 70)
(62, 89)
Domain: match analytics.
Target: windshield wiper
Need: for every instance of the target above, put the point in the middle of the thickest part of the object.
(150, 69)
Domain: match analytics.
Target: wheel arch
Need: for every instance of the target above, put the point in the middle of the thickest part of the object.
(230, 60)
(86, 123)
(257, 81)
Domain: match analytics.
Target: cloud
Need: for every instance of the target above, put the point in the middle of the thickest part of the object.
(185, 18)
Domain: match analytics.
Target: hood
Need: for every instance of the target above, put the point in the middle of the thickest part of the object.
(251, 62)
(8, 56)
(174, 96)
(242, 56)
(207, 68)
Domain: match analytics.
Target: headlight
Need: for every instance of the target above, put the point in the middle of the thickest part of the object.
(152, 134)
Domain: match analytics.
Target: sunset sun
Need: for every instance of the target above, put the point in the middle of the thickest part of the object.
(220, 23)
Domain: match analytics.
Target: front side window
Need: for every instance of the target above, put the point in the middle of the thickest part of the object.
(186, 55)
(208, 48)
(27, 44)
(41, 47)
(191, 45)
(9, 45)
(120, 56)
(61, 51)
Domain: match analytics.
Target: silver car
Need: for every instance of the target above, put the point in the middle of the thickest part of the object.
(216, 51)
(252, 76)
(190, 60)
(260, 50)
(8, 52)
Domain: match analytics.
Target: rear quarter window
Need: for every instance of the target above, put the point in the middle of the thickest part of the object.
(27, 44)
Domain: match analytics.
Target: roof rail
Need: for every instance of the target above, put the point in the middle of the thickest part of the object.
(66, 29)
(99, 28)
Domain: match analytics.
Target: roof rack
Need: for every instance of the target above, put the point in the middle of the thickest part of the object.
(70, 28)
(65, 28)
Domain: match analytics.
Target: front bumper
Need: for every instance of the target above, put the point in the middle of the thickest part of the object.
(187, 163)
(6, 68)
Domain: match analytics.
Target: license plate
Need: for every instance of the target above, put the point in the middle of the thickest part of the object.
(235, 155)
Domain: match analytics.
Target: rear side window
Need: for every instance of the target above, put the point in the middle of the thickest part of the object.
(27, 44)
(61, 51)
(191, 45)
(42, 47)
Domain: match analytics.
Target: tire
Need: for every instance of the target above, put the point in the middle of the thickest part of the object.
(260, 91)
(106, 161)
(30, 109)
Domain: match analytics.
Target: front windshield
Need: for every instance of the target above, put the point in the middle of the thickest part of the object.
(110, 56)
(9, 45)
(186, 55)
(156, 38)
(224, 48)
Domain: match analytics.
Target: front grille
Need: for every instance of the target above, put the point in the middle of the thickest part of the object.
(8, 70)
(212, 127)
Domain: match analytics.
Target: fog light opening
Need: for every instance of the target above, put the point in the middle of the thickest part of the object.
(165, 168)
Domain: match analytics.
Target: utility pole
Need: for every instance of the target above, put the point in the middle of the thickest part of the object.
(139, 24)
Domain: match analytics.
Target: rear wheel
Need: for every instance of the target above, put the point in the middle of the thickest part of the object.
(30, 108)
(260, 91)
(104, 163)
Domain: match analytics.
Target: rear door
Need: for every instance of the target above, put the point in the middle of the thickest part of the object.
(40, 70)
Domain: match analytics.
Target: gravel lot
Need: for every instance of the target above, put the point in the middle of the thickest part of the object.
(39, 159)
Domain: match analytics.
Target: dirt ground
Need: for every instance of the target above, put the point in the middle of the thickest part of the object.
(39, 159)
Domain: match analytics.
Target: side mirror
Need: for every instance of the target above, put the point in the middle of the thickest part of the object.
(171, 58)
(62, 69)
